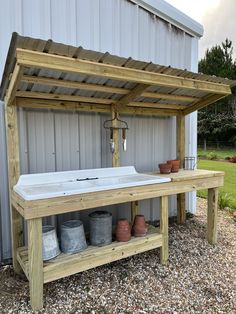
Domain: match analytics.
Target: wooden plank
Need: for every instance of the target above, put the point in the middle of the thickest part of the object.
(64, 204)
(184, 175)
(164, 230)
(212, 213)
(202, 103)
(32, 103)
(181, 200)
(101, 256)
(62, 97)
(177, 98)
(35, 252)
(13, 175)
(71, 65)
(156, 105)
(134, 210)
(69, 264)
(15, 79)
(73, 85)
(101, 88)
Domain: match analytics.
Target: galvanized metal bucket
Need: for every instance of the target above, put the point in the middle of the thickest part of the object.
(73, 237)
(100, 228)
(50, 243)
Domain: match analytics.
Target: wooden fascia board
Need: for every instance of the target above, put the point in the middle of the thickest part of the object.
(210, 99)
(34, 103)
(15, 79)
(69, 65)
(100, 88)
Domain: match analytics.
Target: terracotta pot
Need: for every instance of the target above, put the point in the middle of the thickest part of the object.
(165, 168)
(139, 228)
(123, 231)
(175, 164)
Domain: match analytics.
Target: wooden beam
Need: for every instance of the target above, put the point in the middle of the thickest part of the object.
(15, 79)
(35, 252)
(156, 105)
(212, 213)
(73, 85)
(32, 103)
(164, 230)
(181, 206)
(134, 93)
(134, 210)
(62, 97)
(210, 99)
(13, 175)
(69, 65)
(116, 153)
(100, 88)
(177, 98)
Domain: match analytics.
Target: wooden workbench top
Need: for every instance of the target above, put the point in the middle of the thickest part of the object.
(183, 175)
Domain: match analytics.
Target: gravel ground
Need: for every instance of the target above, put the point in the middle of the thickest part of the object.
(199, 278)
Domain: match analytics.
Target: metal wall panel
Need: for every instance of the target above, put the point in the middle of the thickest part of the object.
(61, 141)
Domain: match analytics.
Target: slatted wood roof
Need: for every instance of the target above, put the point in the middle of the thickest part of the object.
(46, 74)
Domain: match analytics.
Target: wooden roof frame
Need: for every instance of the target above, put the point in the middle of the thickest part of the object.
(168, 104)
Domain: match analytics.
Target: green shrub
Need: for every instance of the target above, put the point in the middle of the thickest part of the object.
(212, 156)
(227, 158)
(225, 200)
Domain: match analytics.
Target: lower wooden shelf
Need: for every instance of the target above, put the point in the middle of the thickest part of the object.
(69, 264)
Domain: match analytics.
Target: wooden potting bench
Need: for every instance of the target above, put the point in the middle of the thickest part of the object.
(33, 68)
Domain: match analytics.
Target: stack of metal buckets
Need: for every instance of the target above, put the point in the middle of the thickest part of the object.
(72, 235)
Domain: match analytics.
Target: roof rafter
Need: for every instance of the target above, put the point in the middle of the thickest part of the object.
(100, 88)
(70, 65)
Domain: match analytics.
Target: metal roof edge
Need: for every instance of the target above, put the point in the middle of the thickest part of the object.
(172, 15)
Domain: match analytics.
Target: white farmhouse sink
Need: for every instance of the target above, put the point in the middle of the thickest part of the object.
(54, 184)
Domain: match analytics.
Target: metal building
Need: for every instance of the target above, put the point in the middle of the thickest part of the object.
(148, 30)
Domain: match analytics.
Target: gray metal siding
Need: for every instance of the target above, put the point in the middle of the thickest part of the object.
(61, 141)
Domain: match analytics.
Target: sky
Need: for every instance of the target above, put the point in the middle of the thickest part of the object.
(217, 18)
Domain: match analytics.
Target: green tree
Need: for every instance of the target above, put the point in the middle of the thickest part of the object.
(217, 122)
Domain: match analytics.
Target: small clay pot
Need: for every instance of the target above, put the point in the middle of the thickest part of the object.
(165, 168)
(123, 230)
(175, 164)
(139, 228)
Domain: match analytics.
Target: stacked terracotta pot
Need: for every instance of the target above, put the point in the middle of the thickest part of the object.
(170, 166)
(124, 231)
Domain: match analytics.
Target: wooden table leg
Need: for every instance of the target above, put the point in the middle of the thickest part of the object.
(134, 210)
(164, 230)
(17, 238)
(35, 262)
(181, 208)
(212, 209)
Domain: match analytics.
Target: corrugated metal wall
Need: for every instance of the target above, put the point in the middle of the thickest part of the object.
(52, 141)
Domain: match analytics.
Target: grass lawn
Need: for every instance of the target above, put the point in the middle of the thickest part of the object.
(221, 153)
(230, 176)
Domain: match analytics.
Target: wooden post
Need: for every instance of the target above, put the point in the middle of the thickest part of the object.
(35, 263)
(13, 174)
(164, 230)
(181, 205)
(134, 210)
(116, 154)
(212, 210)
